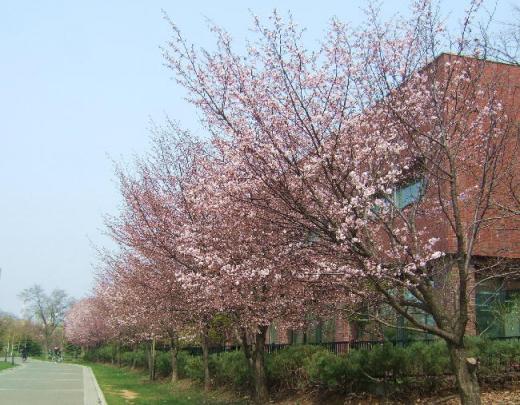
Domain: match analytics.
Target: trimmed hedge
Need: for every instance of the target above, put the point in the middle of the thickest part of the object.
(385, 369)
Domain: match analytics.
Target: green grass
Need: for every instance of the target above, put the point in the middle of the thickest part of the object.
(122, 386)
(5, 366)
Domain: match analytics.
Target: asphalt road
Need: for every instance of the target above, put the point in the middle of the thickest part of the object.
(45, 383)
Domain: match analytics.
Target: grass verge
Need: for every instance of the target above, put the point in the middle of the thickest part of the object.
(122, 386)
(5, 366)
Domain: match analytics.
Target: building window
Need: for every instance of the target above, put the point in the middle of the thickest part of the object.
(498, 310)
(512, 314)
(273, 334)
(409, 194)
(402, 197)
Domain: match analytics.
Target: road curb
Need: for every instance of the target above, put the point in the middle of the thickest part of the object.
(88, 374)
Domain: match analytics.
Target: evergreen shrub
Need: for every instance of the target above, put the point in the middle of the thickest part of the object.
(385, 369)
(286, 368)
(230, 369)
(163, 364)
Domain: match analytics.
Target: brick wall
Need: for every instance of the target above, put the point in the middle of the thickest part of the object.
(447, 292)
(499, 234)
(342, 330)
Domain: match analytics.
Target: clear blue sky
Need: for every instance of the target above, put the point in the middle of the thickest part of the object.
(80, 81)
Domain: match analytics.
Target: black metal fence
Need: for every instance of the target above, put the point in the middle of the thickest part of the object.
(346, 346)
(334, 347)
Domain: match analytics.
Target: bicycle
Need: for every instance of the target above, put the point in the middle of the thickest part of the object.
(57, 358)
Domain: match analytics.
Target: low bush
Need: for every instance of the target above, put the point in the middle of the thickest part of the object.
(163, 364)
(495, 356)
(230, 369)
(103, 354)
(286, 368)
(430, 359)
(182, 359)
(134, 358)
(389, 361)
(384, 369)
(327, 371)
(193, 368)
(127, 358)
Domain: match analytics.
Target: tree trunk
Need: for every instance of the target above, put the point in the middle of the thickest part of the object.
(244, 342)
(46, 343)
(119, 354)
(246, 348)
(174, 351)
(134, 357)
(148, 356)
(46, 348)
(152, 360)
(205, 358)
(465, 370)
(259, 376)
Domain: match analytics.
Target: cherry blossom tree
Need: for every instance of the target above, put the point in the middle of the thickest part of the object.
(193, 248)
(143, 283)
(151, 229)
(85, 323)
(257, 270)
(145, 303)
(321, 144)
(318, 188)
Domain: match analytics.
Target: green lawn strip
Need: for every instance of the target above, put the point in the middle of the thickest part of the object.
(122, 386)
(5, 366)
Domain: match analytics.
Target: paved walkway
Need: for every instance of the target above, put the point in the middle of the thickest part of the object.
(45, 383)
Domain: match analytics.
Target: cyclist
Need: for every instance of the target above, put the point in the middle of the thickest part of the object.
(24, 354)
(57, 354)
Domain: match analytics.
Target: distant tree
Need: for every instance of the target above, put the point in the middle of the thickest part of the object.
(47, 310)
(16, 333)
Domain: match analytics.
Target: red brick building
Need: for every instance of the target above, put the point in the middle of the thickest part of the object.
(497, 247)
